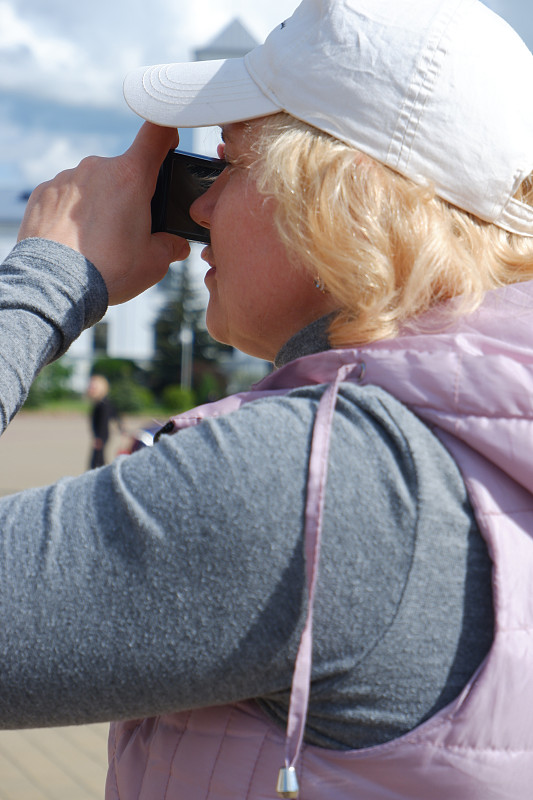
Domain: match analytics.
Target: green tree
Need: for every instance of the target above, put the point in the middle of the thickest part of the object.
(182, 318)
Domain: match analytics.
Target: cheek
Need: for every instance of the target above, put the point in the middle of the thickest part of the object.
(254, 275)
(245, 244)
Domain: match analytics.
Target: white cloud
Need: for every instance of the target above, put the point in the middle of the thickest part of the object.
(48, 64)
(17, 35)
(33, 154)
(77, 53)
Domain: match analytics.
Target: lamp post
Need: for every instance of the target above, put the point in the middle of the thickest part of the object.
(186, 342)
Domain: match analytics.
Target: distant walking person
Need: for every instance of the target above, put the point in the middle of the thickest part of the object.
(103, 411)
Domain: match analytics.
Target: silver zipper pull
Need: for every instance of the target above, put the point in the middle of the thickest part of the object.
(287, 783)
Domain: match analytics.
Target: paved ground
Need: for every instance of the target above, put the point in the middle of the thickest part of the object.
(38, 448)
(57, 763)
(53, 764)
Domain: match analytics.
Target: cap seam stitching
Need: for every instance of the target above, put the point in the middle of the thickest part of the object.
(426, 65)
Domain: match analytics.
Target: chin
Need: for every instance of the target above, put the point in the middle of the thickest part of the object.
(217, 331)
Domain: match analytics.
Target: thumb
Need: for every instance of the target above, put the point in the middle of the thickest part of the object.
(150, 146)
(174, 247)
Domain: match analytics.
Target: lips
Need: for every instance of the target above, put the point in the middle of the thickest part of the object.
(207, 256)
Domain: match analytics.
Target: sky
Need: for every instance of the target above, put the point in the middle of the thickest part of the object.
(62, 65)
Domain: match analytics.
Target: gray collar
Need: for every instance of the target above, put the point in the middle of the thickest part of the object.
(311, 339)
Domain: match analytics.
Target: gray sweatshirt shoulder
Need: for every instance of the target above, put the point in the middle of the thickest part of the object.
(175, 577)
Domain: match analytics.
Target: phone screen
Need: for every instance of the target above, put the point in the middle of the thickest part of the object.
(182, 178)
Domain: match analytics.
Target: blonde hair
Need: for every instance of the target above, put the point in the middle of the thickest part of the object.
(386, 249)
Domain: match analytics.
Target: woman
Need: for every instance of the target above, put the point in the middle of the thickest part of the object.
(356, 503)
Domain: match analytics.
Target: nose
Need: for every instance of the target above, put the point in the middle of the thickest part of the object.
(202, 208)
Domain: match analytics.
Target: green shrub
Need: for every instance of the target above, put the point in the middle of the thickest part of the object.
(130, 398)
(177, 399)
(51, 385)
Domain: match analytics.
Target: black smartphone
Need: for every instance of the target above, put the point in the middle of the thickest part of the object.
(182, 178)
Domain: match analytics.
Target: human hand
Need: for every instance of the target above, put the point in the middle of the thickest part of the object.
(102, 209)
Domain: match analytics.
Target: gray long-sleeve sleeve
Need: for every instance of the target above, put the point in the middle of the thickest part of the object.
(44, 307)
(174, 578)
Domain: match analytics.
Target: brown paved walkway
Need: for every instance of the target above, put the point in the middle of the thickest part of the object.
(55, 763)
(39, 448)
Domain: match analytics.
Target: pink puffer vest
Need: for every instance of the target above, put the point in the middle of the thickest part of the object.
(474, 385)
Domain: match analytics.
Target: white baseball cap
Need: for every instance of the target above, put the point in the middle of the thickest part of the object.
(439, 90)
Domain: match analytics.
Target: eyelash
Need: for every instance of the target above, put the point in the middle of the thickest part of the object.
(221, 152)
(230, 163)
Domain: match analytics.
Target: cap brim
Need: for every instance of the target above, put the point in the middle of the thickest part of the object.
(195, 94)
